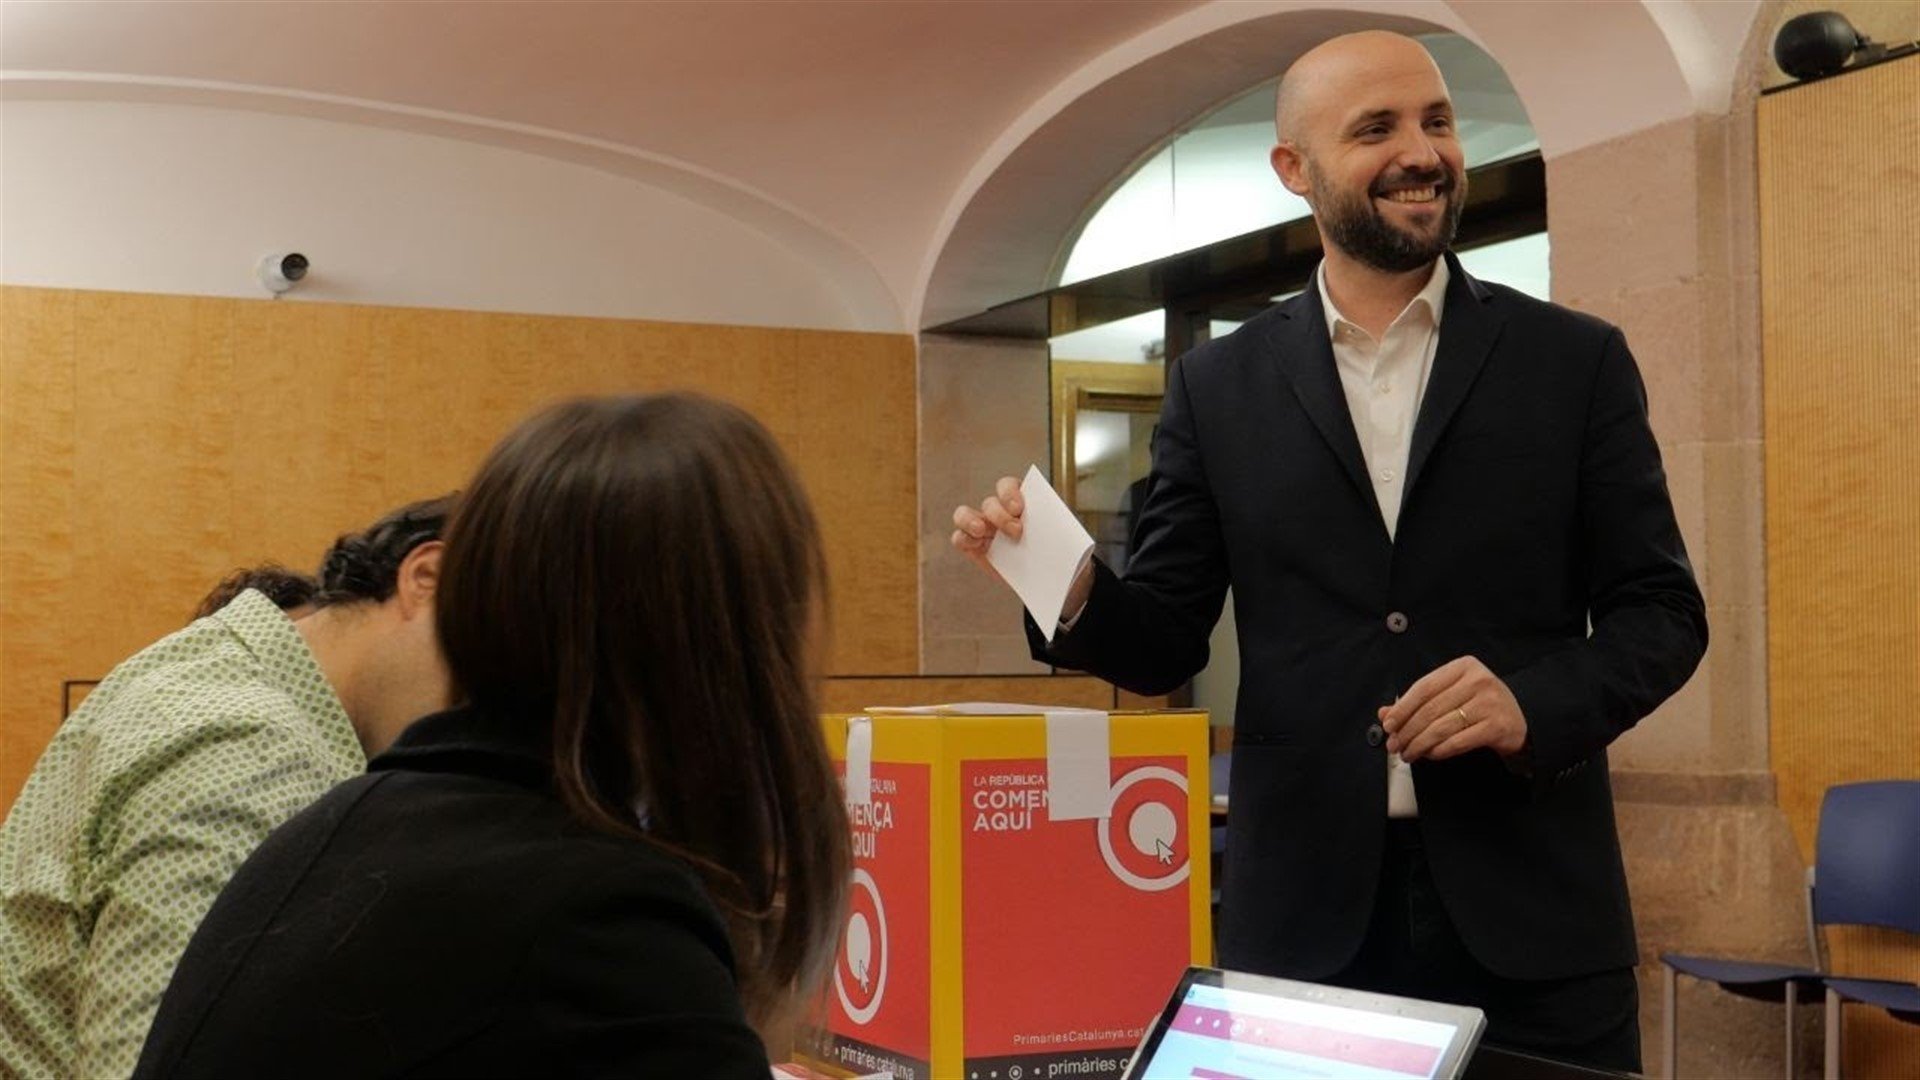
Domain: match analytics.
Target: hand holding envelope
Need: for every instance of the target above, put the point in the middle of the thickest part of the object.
(1026, 535)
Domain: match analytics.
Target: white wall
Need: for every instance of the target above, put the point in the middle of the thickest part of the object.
(169, 198)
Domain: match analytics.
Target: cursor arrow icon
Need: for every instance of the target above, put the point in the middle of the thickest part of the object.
(1166, 853)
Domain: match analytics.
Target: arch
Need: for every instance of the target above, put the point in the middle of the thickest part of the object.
(1211, 181)
(1009, 217)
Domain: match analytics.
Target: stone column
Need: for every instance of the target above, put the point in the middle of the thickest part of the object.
(983, 415)
(1657, 232)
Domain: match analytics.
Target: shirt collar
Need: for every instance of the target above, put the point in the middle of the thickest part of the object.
(288, 664)
(1433, 295)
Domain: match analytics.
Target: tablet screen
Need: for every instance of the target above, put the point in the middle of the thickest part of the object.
(1223, 1025)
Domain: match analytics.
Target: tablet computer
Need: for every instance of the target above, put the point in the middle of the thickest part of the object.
(1222, 1025)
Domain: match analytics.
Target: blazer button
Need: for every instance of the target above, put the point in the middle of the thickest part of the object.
(1376, 734)
(1397, 623)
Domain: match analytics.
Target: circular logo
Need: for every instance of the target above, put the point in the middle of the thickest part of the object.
(1144, 835)
(860, 973)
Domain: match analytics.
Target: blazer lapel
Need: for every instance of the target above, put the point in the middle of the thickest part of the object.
(1468, 330)
(1299, 339)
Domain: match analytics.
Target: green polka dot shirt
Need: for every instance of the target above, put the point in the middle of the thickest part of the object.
(152, 793)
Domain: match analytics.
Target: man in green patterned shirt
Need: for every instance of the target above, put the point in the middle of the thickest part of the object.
(176, 767)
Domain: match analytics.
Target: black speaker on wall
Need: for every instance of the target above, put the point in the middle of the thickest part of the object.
(1823, 43)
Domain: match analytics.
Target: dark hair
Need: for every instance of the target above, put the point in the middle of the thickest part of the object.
(644, 575)
(288, 589)
(366, 565)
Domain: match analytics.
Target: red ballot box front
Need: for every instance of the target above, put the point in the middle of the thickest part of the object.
(986, 935)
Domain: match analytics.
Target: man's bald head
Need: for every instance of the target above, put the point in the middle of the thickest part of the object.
(1331, 72)
(1367, 138)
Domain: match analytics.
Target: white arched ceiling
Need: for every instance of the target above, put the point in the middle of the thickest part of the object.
(836, 127)
(1586, 73)
(1706, 41)
(867, 301)
(902, 150)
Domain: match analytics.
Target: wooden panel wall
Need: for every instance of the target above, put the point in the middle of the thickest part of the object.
(148, 444)
(1840, 289)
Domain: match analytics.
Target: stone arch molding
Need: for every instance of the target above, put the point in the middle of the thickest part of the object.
(1586, 73)
(870, 304)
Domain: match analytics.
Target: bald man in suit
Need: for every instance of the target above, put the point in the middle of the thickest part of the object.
(1457, 579)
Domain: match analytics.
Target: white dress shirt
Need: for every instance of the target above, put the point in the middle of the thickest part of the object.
(1384, 381)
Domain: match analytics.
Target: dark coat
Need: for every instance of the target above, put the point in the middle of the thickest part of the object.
(443, 915)
(1534, 501)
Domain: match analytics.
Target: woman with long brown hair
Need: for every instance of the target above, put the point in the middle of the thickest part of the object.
(626, 851)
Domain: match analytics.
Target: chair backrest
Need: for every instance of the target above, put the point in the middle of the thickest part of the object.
(1867, 856)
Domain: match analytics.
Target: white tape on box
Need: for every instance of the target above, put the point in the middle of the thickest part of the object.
(859, 760)
(1079, 776)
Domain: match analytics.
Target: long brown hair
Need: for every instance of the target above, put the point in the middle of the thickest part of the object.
(644, 574)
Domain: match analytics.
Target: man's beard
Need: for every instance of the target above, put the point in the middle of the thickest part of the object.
(1356, 226)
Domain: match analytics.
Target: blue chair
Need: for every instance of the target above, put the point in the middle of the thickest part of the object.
(1900, 999)
(1866, 873)
(1869, 875)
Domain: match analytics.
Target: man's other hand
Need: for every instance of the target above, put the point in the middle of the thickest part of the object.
(1456, 707)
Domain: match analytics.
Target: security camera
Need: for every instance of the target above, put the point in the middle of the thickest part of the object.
(282, 272)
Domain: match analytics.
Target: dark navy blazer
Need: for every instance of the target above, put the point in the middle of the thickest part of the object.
(1534, 502)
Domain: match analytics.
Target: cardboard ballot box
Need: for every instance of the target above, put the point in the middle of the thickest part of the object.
(1028, 887)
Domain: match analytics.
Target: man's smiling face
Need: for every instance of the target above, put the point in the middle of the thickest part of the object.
(1367, 137)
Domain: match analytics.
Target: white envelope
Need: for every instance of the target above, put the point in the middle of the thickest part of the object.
(1041, 564)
